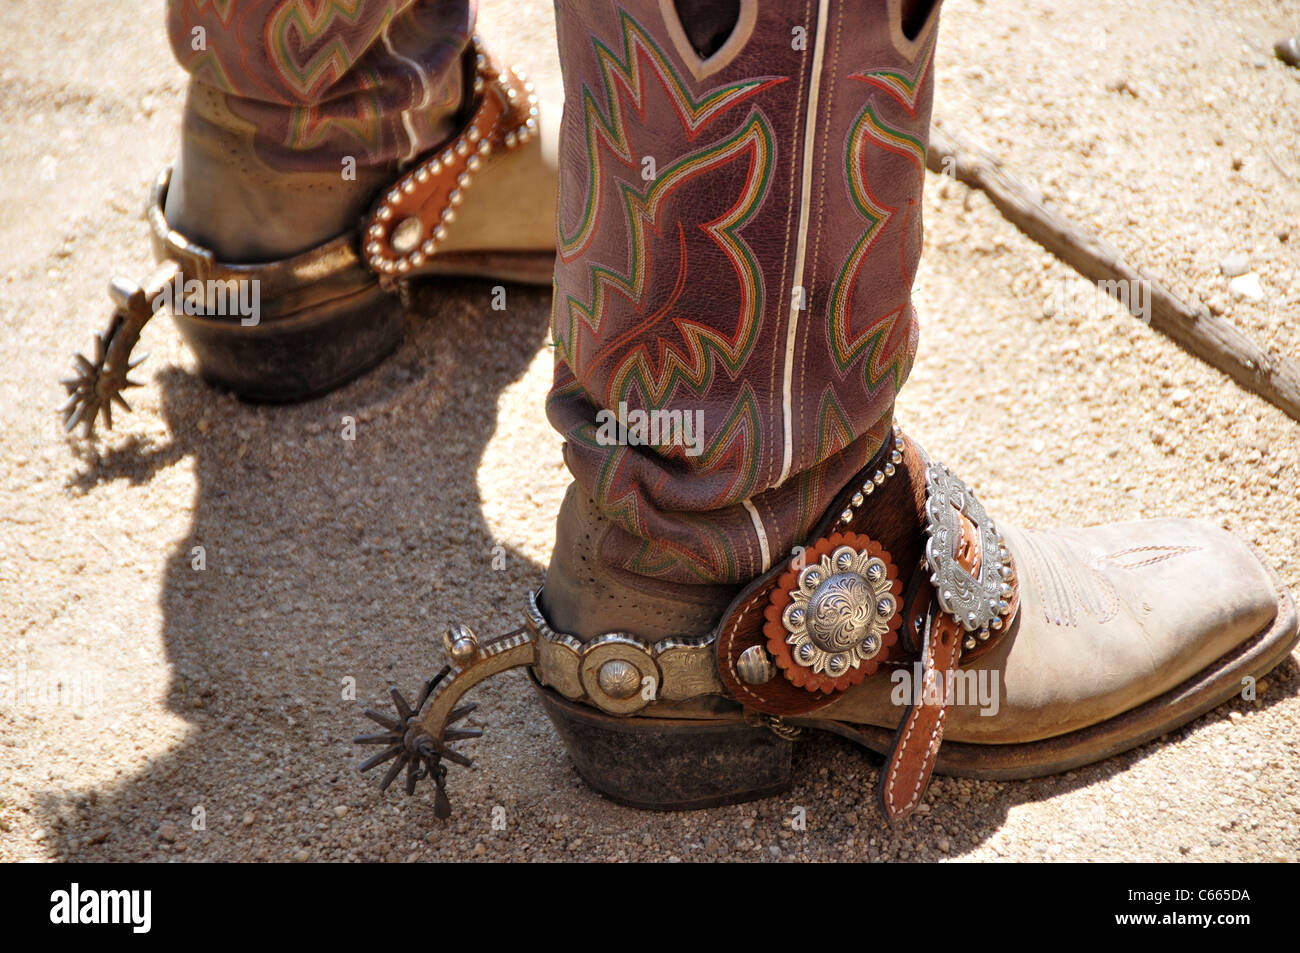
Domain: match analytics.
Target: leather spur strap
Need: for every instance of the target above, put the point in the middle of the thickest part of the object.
(836, 613)
(945, 646)
(412, 219)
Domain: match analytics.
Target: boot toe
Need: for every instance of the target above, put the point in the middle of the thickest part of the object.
(1110, 617)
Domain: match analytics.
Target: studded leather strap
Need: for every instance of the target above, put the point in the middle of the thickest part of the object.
(413, 218)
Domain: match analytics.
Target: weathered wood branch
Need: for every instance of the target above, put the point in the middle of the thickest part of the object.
(1193, 328)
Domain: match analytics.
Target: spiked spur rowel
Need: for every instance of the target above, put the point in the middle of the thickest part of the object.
(417, 739)
(98, 384)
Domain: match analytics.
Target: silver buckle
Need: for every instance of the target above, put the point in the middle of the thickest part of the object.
(978, 604)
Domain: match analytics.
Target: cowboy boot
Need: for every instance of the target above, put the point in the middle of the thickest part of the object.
(803, 564)
(283, 267)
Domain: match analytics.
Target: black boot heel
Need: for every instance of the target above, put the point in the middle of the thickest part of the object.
(662, 764)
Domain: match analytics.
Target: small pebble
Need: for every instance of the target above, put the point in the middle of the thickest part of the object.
(1235, 265)
(1247, 286)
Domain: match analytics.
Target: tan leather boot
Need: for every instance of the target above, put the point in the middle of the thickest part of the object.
(892, 610)
(285, 284)
(963, 646)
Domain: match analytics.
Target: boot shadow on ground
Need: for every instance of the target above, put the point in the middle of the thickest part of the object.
(329, 559)
(326, 558)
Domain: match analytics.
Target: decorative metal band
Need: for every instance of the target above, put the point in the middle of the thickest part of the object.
(977, 603)
(618, 672)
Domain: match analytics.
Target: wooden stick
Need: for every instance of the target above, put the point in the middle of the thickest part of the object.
(1194, 329)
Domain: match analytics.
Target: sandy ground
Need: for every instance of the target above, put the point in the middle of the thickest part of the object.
(212, 700)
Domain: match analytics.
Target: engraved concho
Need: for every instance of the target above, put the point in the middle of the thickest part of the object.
(977, 603)
(839, 611)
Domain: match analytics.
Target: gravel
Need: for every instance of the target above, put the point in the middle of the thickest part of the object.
(173, 713)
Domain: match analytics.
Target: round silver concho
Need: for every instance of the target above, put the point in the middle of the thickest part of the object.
(839, 612)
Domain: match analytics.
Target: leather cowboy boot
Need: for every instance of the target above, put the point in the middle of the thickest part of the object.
(283, 267)
(793, 560)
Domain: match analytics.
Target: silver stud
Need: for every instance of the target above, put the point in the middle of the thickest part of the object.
(754, 667)
(984, 635)
(878, 478)
(429, 247)
(1005, 572)
(846, 516)
(440, 233)
(619, 679)
(511, 140)
(395, 197)
(448, 157)
(456, 197)
(969, 643)
(463, 179)
(448, 215)
(857, 500)
(895, 457)
(408, 186)
(474, 163)
(461, 644)
(434, 167)
(384, 213)
(1006, 591)
(889, 469)
(422, 175)
(462, 148)
(485, 148)
(868, 488)
(473, 133)
(407, 235)
(1004, 607)
(417, 259)
(377, 231)
(403, 266)
(374, 248)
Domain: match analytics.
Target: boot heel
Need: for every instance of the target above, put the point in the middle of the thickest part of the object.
(661, 764)
(298, 357)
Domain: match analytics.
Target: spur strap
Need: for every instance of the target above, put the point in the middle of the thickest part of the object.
(411, 220)
(828, 618)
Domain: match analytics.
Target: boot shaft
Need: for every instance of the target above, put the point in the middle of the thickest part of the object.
(738, 234)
